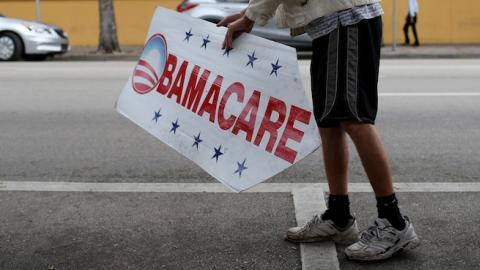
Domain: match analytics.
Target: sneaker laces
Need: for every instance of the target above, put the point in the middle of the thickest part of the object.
(314, 221)
(369, 234)
(379, 232)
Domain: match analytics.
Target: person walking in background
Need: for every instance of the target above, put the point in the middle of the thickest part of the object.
(411, 21)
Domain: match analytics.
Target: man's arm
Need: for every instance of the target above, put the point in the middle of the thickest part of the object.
(236, 24)
(260, 11)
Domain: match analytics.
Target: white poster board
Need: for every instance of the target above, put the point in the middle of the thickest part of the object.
(242, 115)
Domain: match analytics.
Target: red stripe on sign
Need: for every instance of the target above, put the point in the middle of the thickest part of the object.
(142, 87)
(149, 67)
(143, 74)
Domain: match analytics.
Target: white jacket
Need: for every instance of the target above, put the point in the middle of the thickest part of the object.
(412, 7)
(296, 14)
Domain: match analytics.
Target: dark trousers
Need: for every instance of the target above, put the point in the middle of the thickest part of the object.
(411, 22)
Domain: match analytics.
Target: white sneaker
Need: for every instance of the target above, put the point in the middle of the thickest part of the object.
(381, 240)
(323, 230)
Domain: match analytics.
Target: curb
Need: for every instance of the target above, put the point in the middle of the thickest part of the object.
(305, 55)
(96, 58)
(134, 54)
(301, 56)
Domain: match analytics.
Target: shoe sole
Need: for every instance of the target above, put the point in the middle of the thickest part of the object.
(408, 245)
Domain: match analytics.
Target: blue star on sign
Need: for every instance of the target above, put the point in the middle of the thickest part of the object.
(197, 140)
(227, 51)
(175, 125)
(188, 35)
(157, 115)
(241, 168)
(275, 68)
(218, 153)
(251, 59)
(205, 41)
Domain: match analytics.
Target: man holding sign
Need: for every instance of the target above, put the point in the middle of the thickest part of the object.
(344, 75)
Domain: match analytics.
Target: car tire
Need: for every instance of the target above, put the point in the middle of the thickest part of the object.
(13, 46)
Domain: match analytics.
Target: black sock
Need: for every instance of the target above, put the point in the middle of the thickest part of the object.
(338, 210)
(388, 208)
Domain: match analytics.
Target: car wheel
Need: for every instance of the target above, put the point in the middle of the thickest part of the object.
(11, 47)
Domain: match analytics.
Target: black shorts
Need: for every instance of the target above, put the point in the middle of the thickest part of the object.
(344, 73)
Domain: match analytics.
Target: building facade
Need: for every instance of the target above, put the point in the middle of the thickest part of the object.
(440, 21)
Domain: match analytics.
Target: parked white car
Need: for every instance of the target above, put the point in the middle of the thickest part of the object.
(21, 38)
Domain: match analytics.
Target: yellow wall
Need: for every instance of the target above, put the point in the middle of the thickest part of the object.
(440, 21)
(79, 18)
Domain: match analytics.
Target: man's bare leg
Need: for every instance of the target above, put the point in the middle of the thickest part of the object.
(375, 162)
(335, 158)
(373, 156)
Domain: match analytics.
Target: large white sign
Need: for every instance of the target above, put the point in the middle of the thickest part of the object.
(240, 114)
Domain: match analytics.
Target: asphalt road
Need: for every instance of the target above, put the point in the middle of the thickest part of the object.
(58, 123)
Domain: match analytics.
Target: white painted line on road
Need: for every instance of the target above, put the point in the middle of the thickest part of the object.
(430, 94)
(220, 188)
(315, 256)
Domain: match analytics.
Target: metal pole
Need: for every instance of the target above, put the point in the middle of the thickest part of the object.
(37, 10)
(394, 25)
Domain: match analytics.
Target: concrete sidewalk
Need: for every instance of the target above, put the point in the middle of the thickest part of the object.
(88, 53)
(432, 51)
